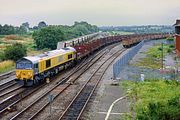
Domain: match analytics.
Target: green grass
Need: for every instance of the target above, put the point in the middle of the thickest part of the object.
(1, 36)
(6, 66)
(153, 57)
(154, 99)
(170, 38)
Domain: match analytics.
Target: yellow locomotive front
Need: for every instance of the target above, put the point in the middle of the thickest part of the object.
(24, 72)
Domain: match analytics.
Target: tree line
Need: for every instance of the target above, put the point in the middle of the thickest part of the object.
(44, 37)
(48, 37)
(24, 28)
(9, 29)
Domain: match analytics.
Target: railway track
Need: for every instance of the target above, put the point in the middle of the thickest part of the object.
(8, 103)
(8, 89)
(7, 84)
(78, 104)
(14, 88)
(7, 75)
(39, 104)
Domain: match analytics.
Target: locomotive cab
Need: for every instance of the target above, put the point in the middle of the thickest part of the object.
(24, 72)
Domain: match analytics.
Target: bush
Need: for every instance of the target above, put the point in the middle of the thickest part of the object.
(170, 38)
(171, 46)
(2, 56)
(15, 52)
(160, 111)
(169, 50)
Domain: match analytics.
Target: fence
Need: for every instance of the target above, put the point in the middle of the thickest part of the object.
(169, 42)
(118, 66)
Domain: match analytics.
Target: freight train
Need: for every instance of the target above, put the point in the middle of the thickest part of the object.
(33, 70)
(135, 39)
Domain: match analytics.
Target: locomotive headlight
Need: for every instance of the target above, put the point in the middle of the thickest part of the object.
(29, 74)
(18, 74)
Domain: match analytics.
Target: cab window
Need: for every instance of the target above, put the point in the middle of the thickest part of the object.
(36, 65)
(69, 56)
(23, 66)
(48, 63)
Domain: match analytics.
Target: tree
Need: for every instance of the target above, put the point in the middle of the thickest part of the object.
(1, 28)
(35, 28)
(48, 37)
(22, 30)
(15, 52)
(7, 30)
(26, 24)
(42, 24)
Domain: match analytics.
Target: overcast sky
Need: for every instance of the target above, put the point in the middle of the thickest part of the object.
(98, 12)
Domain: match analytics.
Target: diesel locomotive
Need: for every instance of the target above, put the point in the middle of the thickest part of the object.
(35, 69)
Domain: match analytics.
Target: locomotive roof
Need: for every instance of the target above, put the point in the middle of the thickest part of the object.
(35, 59)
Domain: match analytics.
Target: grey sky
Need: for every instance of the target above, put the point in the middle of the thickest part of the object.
(98, 12)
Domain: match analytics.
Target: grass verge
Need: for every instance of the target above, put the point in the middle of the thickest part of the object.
(154, 99)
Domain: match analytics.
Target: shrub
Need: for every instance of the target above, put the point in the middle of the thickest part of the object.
(170, 38)
(2, 56)
(160, 111)
(171, 46)
(169, 50)
(160, 48)
(15, 52)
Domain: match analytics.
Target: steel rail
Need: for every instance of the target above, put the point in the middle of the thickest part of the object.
(12, 90)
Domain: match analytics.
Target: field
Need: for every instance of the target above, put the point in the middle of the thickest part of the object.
(7, 40)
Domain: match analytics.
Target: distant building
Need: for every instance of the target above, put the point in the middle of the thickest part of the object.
(177, 37)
